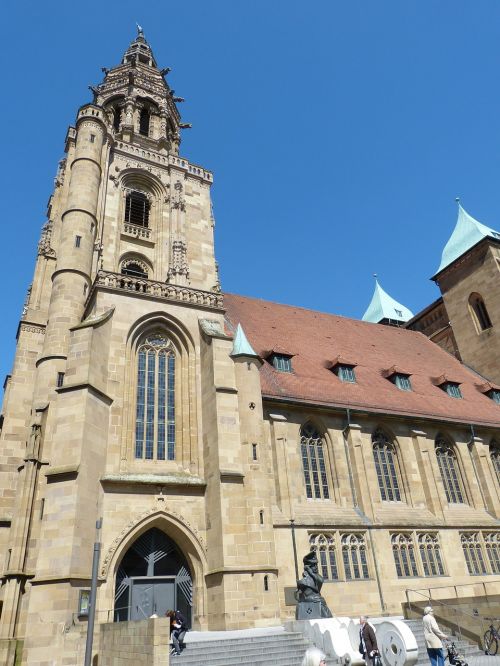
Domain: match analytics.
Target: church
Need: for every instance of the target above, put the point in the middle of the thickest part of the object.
(220, 438)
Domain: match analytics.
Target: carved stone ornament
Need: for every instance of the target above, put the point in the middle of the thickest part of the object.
(177, 199)
(27, 300)
(44, 247)
(158, 509)
(179, 264)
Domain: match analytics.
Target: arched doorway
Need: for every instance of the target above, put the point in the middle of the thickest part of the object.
(152, 578)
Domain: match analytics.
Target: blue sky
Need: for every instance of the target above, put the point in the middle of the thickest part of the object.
(339, 133)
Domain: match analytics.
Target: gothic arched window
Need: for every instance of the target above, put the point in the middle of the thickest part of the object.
(155, 406)
(137, 207)
(354, 556)
(324, 547)
(450, 471)
(404, 555)
(386, 466)
(492, 542)
(473, 553)
(430, 555)
(134, 268)
(313, 454)
(495, 458)
(479, 312)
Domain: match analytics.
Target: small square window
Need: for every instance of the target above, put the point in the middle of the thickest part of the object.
(402, 381)
(494, 394)
(92, 138)
(282, 363)
(346, 373)
(452, 389)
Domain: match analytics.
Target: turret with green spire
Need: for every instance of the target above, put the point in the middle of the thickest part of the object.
(383, 309)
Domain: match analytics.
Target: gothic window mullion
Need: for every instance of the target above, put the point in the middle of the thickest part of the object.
(155, 400)
(160, 451)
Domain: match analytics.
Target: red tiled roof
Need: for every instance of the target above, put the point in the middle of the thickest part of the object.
(316, 338)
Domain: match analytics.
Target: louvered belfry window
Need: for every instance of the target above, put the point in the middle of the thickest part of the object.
(137, 208)
(144, 122)
(155, 406)
(314, 463)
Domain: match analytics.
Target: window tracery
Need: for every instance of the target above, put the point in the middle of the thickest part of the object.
(354, 556)
(155, 400)
(430, 554)
(313, 454)
(324, 546)
(495, 458)
(404, 555)
(450, 472)
(492, 543)
(386, 466)
(473, 552)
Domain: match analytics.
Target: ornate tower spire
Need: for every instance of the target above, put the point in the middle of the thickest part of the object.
(138, 101)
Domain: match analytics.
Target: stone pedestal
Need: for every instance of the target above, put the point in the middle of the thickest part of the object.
(308, 610)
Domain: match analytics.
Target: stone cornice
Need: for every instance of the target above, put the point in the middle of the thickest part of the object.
(173, 479)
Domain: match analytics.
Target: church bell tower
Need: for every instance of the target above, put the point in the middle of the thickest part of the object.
(121, 355)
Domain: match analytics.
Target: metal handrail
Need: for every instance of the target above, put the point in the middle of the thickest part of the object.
(452, 607)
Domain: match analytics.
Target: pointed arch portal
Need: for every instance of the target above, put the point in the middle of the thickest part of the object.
(152, 578)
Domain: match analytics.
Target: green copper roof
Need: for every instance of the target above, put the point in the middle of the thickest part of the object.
(382, 306)
(466, 234)
(241, 346)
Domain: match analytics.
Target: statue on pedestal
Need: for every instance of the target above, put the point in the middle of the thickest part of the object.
(310, 603)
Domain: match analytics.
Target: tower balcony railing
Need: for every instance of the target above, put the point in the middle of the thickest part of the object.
(136, 231)
(139, 286)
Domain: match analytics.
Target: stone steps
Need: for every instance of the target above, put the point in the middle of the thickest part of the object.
(467, 649)
(281, 649)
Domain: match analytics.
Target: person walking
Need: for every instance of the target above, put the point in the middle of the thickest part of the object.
(433, 637)
(314, 657)
(367, 640)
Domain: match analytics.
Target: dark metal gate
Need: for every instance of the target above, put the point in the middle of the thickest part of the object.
(152, 578)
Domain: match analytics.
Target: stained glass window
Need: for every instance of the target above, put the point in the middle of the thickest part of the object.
(314, 463)
(430, 555)
(354, 556)
(404, 555)
(155, 403)
(450, 472)
(324, 546)
(385, 465)
(473, 552)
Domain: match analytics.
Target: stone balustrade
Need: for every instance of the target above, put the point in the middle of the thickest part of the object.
(158, 158)
(152, 288)
(137, 231)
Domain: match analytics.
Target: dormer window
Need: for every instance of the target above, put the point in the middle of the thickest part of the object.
(452, 389)
(402, 381)
(282, 362)
(343, 368)
(137, 208)
(346, 373)
(494, 394)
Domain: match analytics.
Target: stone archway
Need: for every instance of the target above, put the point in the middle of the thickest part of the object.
(152, 577)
